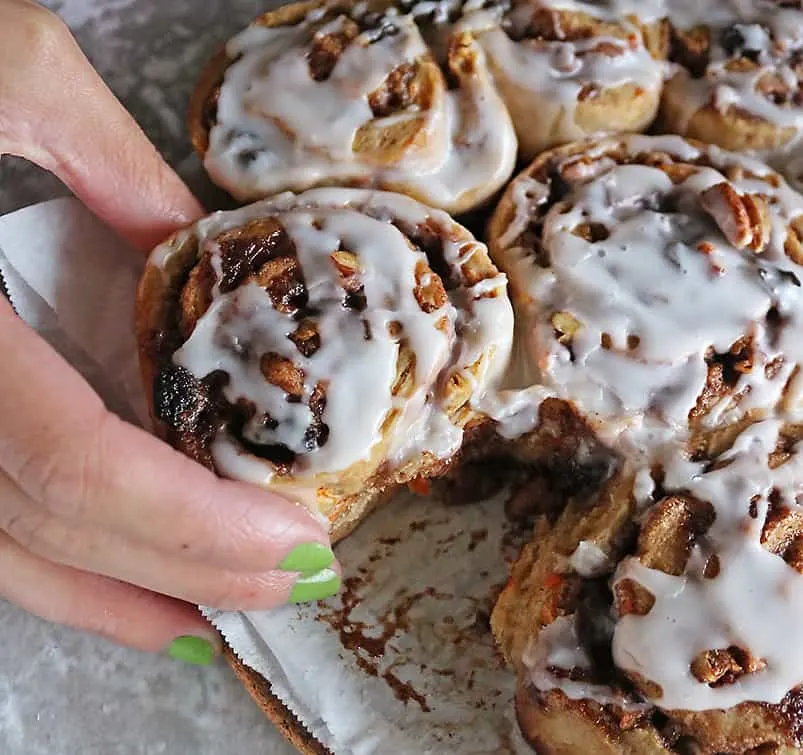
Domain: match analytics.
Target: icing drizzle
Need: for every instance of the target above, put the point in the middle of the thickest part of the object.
(451, 147)
(630, 272)
(365, 315)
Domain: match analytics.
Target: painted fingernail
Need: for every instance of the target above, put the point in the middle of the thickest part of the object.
(309, 587)
(308, 557)
(194, 650)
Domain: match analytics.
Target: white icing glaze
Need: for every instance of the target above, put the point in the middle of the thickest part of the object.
(277, 128)
(753, 603)
(549, 78)
(649, 280)
(589, 560)
(647, 276)
(472, 331)
(558, 648)
(772, 37)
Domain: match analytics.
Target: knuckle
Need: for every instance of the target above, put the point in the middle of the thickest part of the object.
(240, 592)
(39, 31)
(27, 528)
(65, 474)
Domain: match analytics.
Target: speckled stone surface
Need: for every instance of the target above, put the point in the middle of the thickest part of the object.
(62, 693)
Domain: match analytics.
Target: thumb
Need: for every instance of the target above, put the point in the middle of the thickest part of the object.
(56, 111)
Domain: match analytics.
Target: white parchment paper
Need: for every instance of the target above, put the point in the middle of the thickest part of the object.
(403, 660)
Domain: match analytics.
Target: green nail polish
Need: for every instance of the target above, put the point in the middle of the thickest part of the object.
(194, 650)
(308, 557)
(309, 587)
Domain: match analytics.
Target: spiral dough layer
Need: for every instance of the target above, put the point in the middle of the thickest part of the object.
(329, 345)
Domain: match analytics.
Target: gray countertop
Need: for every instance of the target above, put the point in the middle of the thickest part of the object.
(63, 693)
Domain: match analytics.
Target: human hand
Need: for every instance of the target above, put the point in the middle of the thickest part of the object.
(102, 526)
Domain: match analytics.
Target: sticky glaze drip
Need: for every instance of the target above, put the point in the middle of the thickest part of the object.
(538, 56)
(750, 604)
(661, 291)
(559, 653)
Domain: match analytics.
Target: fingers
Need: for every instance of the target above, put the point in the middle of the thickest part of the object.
(94, 551)
(91, 470)
(56, 111)
(128, 615)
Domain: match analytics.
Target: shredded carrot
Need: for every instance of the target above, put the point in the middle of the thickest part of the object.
(419, 486)
(553, 581)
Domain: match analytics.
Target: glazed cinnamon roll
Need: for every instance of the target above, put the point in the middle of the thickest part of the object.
(330, 346)
(737, 76)
(656, 283)
(336, 93)
(661, 624)
(657, 286)
(568, 70)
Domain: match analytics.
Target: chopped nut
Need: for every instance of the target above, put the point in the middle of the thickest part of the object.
(761, 223)
(283, 373)
(429, 291)
(632, 599)
(718, 667)
(306, 338)
(793, 246)
(678, 172)
(591, 232)
(670, 530)
(743, 220)
(347, 263)
(566, 326)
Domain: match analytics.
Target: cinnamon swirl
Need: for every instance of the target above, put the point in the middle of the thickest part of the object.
(656, 283)
(657, 286)
(738, 75)
(336, 93)
(330, 345)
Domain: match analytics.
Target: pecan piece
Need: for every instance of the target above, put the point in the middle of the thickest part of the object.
(724, 666)
(566, 325)
(282, 373)
(743, 219)
(429, 291)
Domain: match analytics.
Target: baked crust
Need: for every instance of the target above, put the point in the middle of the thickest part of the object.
(274, 709)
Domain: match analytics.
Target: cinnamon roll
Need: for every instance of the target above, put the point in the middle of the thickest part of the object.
(568, 70)
(336, 93)
(737, 76)
(330, 346)
(657, 286)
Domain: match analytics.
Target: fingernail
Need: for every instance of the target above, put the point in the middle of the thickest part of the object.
(194, 650)
(308, 557)
(310, 587)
